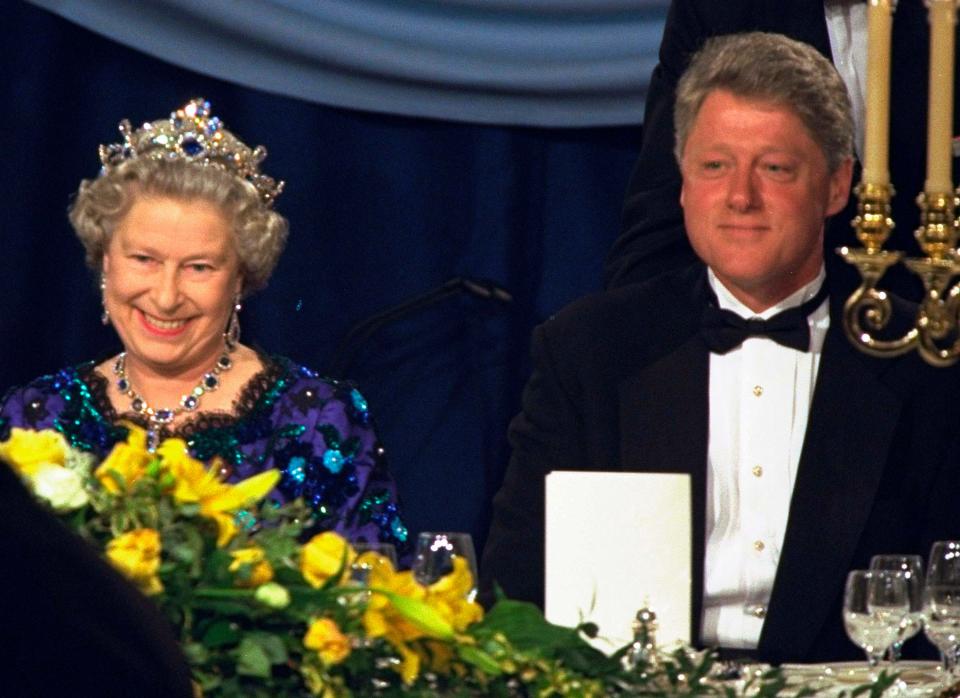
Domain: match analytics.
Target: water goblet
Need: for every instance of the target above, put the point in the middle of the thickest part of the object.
(941, 602)
(435, 553)
(911, 567)
(874, 605)
(371, 556)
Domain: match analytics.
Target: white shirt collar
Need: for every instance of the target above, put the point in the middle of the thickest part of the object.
(727, 301)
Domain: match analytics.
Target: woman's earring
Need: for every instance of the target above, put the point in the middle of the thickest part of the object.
(232, 334)
(105, 315)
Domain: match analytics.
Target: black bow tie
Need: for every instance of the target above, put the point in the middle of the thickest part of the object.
(724, 330)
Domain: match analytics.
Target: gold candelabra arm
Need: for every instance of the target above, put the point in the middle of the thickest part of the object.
(869, 310)
(938, 320)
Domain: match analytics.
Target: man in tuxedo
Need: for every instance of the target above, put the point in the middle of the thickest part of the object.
(806, 456)
(652, 238)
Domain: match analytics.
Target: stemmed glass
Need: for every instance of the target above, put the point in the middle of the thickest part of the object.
(435, 553)
(874, 605)
(911, 567)
(941, 602)
(369, 557)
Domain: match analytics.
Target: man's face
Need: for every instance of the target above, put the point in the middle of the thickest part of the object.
(756, 191)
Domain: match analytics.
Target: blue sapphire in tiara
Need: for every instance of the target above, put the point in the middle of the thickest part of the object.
(210, 381)
(191, 146)
(123, 385)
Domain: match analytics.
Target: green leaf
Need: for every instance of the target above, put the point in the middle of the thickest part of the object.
(525, 627)
(425, 617)
(190, 509)
(183, 552)
(272, 646)
(252, 659)
(480, 659)
(195, 653)
(221, 633)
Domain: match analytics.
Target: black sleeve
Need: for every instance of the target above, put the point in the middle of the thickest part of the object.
(652, 238)
(71, 625)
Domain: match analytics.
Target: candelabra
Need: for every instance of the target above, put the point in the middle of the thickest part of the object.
(936, 331)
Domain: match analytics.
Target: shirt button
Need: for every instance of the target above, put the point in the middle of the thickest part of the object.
(758, 611)
(758, 545)
(758, 390)
(757, 471)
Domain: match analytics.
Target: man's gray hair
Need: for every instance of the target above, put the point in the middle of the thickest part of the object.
(772, 68)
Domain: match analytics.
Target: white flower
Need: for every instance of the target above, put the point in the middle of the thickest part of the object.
(61, 487)
(272, 595)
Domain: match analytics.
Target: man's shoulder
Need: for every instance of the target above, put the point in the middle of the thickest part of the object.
(662, 310)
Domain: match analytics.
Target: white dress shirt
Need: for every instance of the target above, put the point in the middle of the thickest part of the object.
(847, 28)
(759, 401)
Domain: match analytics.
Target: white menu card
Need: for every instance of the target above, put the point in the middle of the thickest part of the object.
(616, 542)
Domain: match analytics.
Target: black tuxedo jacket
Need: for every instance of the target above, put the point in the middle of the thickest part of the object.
(652, 238)
(620, 383)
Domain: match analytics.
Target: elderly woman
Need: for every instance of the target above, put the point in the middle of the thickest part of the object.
(180, 227)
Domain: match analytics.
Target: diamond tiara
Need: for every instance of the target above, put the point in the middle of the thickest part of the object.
(193, 134)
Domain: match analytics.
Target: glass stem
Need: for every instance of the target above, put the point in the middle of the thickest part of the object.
(894, 653)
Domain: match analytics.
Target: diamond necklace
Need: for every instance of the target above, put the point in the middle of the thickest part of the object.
(159, 417)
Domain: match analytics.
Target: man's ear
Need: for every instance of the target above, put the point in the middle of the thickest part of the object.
(840, 182)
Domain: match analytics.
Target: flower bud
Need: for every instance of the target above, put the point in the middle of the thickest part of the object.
(272, 595)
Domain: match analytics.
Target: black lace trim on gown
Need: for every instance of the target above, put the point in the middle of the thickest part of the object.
(250, 394)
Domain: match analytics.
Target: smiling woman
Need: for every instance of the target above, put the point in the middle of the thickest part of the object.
(180, 227)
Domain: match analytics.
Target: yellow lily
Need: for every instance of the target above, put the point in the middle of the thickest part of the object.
(26, 450)
(129, 459)
(193, 483)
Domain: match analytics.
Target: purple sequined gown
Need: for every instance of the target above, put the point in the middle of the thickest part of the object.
(317, 432)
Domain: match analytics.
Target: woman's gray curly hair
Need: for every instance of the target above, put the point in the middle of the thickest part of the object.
(259, 233)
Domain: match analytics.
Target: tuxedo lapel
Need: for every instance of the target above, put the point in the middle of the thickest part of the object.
(663, 427)
(852, 420)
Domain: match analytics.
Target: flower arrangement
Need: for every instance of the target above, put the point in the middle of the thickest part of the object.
(260, 613)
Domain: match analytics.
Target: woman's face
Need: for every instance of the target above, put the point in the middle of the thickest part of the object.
(172, 275)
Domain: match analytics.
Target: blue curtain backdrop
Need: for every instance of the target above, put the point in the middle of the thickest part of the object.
(527, 62)
(382, 208)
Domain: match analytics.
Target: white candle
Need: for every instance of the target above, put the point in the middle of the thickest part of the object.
(943, 18)
(877, 132)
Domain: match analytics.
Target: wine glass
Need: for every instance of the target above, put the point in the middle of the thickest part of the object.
(369, 557)
(435, 553)
(941, 602)
(874, 605)
(911, 567)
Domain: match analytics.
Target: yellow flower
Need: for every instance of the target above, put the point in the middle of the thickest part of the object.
(137, 555)
(26, 450)
(419, 621)
(253, 557)
(129, 459)
(218, 500)
(325, 555)
(325, 637)
(396, 598)
(449, 596)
